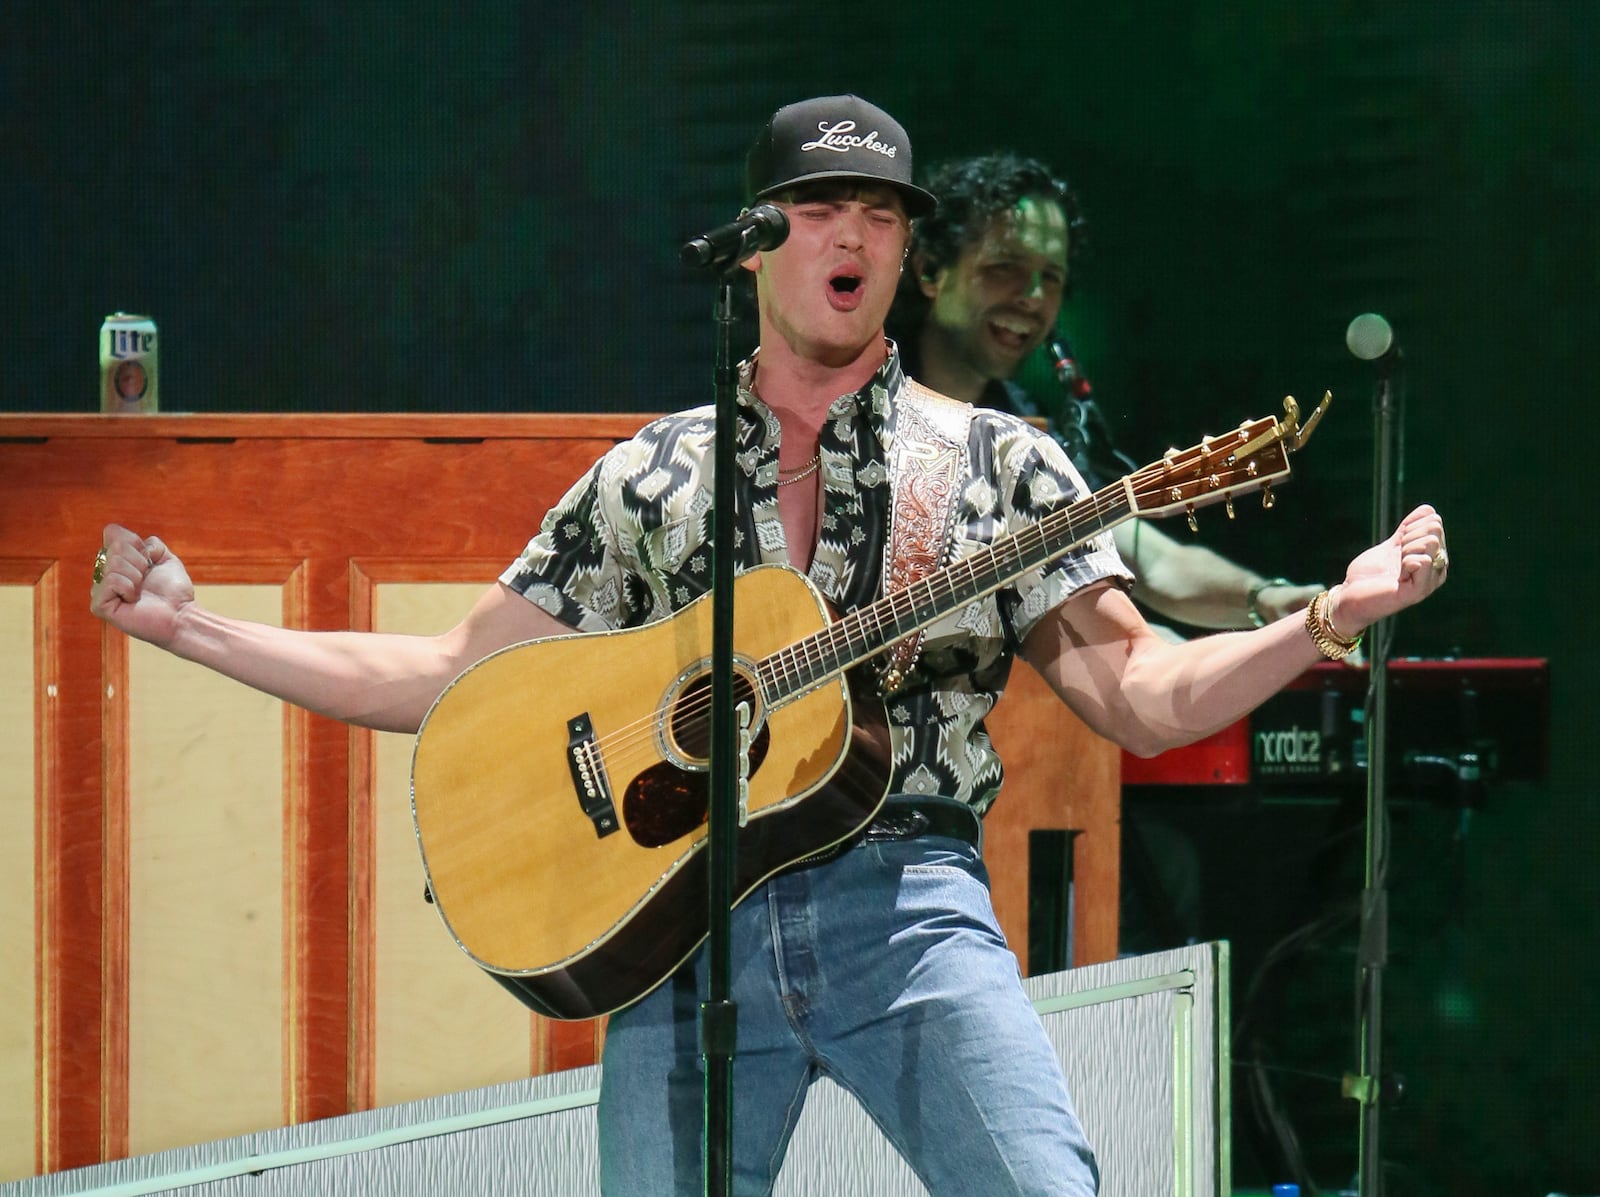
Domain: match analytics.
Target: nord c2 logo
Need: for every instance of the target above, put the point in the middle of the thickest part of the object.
(1290, 747)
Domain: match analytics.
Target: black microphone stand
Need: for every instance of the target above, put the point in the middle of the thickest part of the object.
(1372, 954)
(719, 1015)
(723, 250)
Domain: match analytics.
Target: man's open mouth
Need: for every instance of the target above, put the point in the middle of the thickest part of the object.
(846, 289)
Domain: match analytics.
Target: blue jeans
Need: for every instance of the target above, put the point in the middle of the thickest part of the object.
(885, 970)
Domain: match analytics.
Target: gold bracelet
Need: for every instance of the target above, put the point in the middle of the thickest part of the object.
(1329, 643)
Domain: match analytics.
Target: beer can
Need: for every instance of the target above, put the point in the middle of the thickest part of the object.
(128, 364)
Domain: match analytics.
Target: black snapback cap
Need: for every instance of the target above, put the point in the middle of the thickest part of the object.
(833, 137)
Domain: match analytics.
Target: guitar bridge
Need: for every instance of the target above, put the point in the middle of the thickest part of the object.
(589, 776)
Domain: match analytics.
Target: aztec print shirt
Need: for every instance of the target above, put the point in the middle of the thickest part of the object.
(629, 544)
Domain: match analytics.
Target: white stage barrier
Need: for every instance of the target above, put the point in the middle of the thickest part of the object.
(1144, 1042)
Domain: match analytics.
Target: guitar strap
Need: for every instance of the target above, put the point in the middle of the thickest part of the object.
(927, 467)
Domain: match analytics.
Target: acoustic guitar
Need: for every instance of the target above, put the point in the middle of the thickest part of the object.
(560, 787)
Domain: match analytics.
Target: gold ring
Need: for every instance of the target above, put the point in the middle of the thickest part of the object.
(1441, 560)
(100, 566)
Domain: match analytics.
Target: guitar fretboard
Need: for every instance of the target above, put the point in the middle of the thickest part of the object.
(869, 630)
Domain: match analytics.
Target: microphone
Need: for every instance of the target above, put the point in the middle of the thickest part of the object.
(1079, 424)
(762, 227)
(1066, 368)
(1371, 339)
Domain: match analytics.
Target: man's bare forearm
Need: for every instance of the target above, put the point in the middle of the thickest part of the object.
(379, 680)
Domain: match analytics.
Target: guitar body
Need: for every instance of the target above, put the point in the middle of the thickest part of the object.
(560, 793)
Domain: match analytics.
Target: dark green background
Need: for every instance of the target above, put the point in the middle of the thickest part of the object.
(475, 207)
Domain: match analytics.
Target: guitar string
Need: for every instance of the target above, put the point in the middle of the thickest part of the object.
(798, 664)
(794, 663)
(821, 649)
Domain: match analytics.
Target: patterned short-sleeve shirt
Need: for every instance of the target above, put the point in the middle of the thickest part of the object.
(629, 544)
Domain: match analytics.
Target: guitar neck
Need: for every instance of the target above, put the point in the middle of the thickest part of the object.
(1250, 458)
(868, 631)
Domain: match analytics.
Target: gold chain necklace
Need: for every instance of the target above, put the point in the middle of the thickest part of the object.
(804, 471)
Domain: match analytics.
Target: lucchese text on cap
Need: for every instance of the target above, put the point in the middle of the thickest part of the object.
(841, 139)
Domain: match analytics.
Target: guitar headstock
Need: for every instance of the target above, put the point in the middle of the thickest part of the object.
(1250, 458)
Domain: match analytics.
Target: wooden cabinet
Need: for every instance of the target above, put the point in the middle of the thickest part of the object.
(214, 905)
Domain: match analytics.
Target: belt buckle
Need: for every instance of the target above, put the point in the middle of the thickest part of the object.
(899, 826)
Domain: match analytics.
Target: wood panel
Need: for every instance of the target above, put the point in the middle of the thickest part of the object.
(206, 824)
(440, 1024)
(1060, 776)
(19, 1119)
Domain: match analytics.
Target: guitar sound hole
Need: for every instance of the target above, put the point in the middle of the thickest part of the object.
(690, 720)
(666, 803)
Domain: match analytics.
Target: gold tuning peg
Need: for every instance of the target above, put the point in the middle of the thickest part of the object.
(1267, 497)
(1297, 434)
(1194, 524)
(1227, 505)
